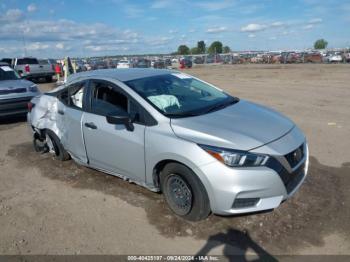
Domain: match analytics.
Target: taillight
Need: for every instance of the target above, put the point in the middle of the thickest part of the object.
(27, 68)
(30, 106)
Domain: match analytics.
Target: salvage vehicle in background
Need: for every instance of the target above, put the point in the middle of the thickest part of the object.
(333, 57)
(8, 61)
(31, 69)
(159, 64)
(124, 64)
(347, 57)
(313, 57)
(15, 93)
(204, 149)
(142, 63)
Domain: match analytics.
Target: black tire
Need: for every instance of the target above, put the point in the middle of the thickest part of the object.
(39, 144)
(48, 79)
(60, 153)
(179, 183)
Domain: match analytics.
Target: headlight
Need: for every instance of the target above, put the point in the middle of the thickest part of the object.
(236, 158)
(33, 88)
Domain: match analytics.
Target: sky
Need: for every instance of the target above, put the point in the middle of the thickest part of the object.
(80, 28)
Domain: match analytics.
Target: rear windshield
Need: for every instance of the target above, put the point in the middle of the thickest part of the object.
(7, 73)
(24, 61)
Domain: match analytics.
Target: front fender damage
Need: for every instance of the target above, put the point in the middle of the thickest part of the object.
(45, 116)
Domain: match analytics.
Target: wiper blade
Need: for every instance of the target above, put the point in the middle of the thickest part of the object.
(202, 112)
(184, 114)
(221, 106)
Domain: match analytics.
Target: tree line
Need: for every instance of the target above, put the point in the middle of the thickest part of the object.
(215, 48)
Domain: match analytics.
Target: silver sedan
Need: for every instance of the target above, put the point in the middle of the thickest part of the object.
(170, 132)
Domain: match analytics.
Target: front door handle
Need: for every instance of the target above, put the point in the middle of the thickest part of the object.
(91, 125)
(61, 112)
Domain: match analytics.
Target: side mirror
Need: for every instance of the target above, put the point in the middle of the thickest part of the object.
(121, 119)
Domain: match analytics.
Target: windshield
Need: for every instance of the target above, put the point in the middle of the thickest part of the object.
(179, 95)
(7, 73)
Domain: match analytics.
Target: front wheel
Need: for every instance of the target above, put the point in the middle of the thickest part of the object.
(54, 145)
(184, 192)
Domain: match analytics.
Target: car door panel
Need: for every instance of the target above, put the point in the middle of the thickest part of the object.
(74, 142)
(113, 148)
(72, 135)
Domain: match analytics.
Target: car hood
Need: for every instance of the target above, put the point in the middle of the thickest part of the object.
(19, 83)
(242, 126)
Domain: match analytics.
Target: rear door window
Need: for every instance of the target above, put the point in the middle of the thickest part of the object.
(73, 95)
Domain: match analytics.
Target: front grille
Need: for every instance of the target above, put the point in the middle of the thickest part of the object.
(12, 91)
(295, 178)
(295, 156)
(290, 180)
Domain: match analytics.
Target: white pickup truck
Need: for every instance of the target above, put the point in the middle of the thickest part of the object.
(31, 68)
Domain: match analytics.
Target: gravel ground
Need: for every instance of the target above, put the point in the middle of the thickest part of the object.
(51, 207)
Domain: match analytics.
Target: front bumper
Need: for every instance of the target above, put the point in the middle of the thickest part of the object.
(254, 189)
(14, 106)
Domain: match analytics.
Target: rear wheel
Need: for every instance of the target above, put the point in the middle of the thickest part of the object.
(184, 192)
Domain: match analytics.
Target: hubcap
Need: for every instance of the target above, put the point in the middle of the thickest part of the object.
(180, 194)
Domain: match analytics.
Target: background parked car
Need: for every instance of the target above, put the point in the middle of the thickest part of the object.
(167, 62)
(160, 64)
(30, 68)
(7, 61)
(312, 57)
(15, 93)
(198, 60)
(347, 57)
(187, 62)
(124, 64)
(47, 65)
(142, 63)
(333, 57)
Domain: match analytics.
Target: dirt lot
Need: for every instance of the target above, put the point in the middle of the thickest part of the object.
(51, 207)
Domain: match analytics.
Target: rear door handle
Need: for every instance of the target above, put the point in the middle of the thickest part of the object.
(61, 112)
(90, 125)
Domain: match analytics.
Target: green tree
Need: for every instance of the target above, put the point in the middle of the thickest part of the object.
(183, 50)
(201, 47)
(215, 48)
(194, 51)
(226, 49)
(320, 44)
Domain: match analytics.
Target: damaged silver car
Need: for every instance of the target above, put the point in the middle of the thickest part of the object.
(204, 149)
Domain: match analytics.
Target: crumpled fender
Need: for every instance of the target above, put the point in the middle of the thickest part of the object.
(44, 115)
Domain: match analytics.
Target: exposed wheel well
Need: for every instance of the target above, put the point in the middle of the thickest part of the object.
(159, 167)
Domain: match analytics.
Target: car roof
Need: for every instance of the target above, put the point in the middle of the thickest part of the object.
(122, 75)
